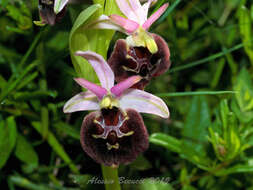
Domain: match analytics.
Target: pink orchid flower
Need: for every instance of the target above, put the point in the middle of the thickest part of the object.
(115, 133)
(109, 95)
(136, 23)
(137, 15)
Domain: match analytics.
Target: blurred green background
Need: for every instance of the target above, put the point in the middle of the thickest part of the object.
(205, 144)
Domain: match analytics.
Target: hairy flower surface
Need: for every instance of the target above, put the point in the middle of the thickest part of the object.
(127, 61)
(115, 133)
(51, 11)
(136, 23)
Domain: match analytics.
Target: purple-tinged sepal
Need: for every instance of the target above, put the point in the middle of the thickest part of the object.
(102, 69)
(143, 102)
(82, 102)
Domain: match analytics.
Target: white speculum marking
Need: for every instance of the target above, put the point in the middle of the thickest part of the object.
(108, 129)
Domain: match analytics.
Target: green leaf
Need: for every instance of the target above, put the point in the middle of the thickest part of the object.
(195, 131)
(197, 93)
(207, 59)
(141, 163)
(246, 31)
(13, 84)
(83, 37)
(167, 12)
(57, 147)
(150, 184)
(81, 180)
(20, 14)
(25, 183)
(39, 94)
(2, 82)
(251, 12)
(235, 169)
(44, 121)
(67, 129)
(8, 134)
(244, 117)
(25, 152)
(59, 41)
(244, 87)
(78, 40)
(169, 142)
(27, 80)
(224, 134)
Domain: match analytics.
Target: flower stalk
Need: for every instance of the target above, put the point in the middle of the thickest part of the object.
(111, 179)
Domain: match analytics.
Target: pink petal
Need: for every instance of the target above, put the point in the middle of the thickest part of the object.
(144, 102)
(82, 101)
(97, 90)
(102, 69)
(155, 16)
(129, 25)
(118, 89)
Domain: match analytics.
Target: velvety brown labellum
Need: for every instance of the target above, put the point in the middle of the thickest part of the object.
(46, 10)
(128, 61)
(112, 138)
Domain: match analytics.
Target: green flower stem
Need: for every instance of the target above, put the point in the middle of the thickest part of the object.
(111, 178)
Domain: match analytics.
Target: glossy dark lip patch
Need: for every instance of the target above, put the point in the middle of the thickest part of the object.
(121, 145)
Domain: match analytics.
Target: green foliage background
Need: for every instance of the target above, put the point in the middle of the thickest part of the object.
(205, 144)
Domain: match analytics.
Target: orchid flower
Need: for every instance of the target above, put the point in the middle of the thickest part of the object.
(115, 133)
(129, 61)
(136, 24)
(51, 11)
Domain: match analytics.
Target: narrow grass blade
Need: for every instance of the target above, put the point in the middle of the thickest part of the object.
(167, 12)
(57, 147)
(207, 59)
(175, 94)
(13, 84)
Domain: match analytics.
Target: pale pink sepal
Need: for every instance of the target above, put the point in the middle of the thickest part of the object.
(119, 88)
(102, 69)
(59, 5)
(143, 102)
(155, 16)
(126, 9)
(138, 11)
(146, 6)
(104, 22)
(129, 25)
(96, 89)
(81, 102)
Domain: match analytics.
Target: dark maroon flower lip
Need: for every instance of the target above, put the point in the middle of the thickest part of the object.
(112, 137)
(127, 61)
(47, 14)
